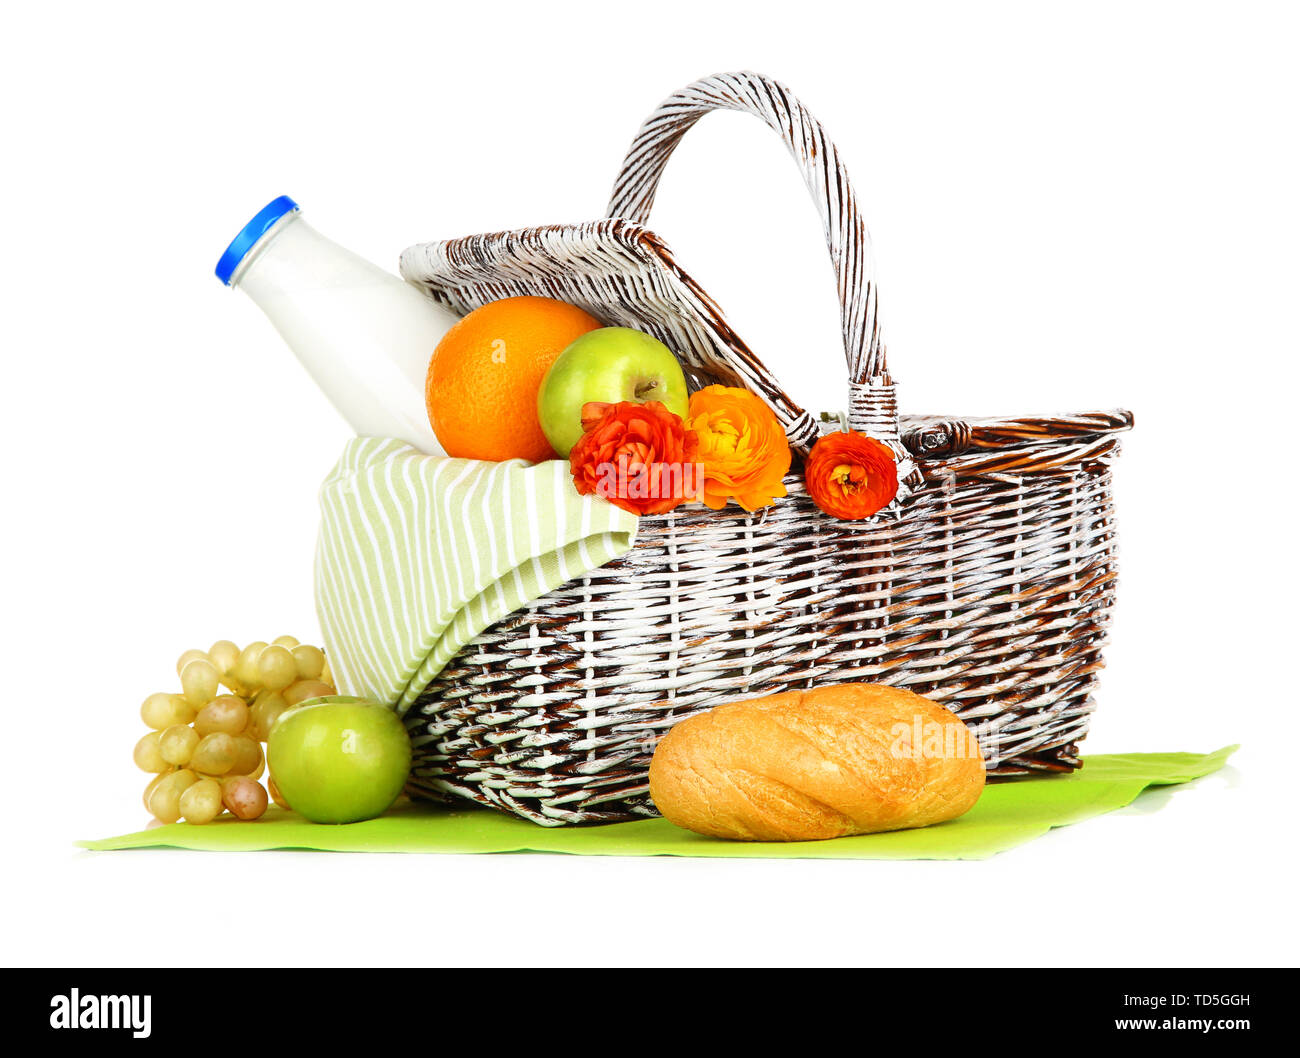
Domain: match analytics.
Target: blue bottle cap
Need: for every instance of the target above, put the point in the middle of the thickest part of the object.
(251, 232)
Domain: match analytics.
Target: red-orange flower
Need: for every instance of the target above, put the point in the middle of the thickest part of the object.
(851, 476)
(637, 456)
(741, 446)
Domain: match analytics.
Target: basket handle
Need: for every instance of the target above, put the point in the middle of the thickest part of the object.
(872, 406)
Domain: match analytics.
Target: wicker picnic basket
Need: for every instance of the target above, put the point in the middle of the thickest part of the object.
(987, 586)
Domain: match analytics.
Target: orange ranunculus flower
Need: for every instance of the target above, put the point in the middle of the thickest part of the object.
(741, 445)
(637, 456)
(851, 476)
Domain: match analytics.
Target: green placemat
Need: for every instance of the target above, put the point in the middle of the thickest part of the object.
(1007, 815)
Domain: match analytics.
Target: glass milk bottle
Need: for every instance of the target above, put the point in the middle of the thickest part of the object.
(363, 334)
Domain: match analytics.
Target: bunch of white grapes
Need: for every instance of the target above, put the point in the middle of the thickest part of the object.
(204, 746)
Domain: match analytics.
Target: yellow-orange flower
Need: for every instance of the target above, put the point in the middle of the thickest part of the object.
(851, 476)
(740, 445)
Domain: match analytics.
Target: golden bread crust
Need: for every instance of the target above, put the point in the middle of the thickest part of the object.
(853, 758)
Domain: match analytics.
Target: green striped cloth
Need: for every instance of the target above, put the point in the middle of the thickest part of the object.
(418, 554)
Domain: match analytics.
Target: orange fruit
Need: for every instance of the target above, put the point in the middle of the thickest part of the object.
(481, 389)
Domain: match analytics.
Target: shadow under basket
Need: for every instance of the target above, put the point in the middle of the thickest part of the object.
(987, 585)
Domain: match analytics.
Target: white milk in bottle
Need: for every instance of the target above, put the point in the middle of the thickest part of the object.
(364, 334)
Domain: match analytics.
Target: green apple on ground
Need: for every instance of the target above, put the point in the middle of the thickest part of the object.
(339, 759)
(607, 365)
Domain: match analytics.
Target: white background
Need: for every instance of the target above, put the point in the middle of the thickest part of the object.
(1074, 207)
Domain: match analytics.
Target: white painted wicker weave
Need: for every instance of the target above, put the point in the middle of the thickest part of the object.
(988, 589)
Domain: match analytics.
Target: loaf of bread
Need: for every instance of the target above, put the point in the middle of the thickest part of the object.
(849, 759)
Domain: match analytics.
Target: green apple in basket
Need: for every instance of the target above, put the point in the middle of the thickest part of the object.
(607, 365)
(338, 759)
